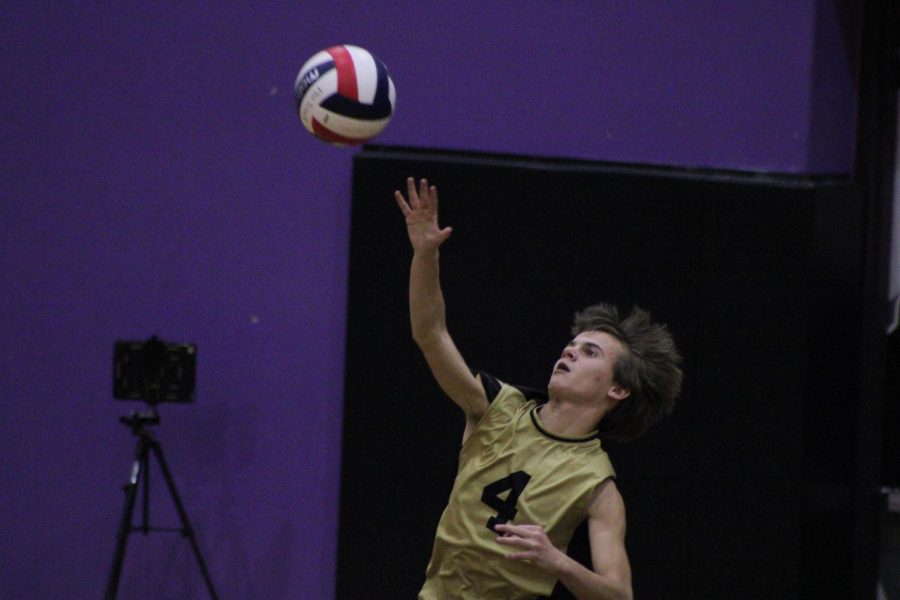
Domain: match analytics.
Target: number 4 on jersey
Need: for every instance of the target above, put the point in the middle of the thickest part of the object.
(514, 483)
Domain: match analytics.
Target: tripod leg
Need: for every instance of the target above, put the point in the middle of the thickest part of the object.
(140, 461)
(145, 473)
(186, 529)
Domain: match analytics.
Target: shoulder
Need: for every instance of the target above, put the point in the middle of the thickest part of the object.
(504, 403)
(607, 506)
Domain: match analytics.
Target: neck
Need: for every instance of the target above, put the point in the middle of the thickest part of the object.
(566, 418)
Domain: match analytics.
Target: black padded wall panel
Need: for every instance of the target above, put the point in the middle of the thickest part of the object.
(745, 491)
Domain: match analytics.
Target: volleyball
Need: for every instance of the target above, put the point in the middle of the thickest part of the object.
(344, 95)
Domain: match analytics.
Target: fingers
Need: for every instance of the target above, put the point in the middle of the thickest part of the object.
(527, 542)
(411, 192)
(423, 190)
(434, 198)
(421, 205)
(523, 536)
(415, 199)
(401, 202)
(422, 196)
(513, 540)
(524, 548)
(519, 530)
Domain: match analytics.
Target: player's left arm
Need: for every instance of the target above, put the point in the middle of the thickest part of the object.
(611, 576)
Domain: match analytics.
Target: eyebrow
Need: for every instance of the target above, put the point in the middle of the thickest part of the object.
(591, 344)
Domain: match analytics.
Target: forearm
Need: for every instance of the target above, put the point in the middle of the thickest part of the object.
(426, 301)
(585, 584)
(429, 328)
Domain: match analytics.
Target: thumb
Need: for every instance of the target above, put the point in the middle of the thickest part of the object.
(445, 234)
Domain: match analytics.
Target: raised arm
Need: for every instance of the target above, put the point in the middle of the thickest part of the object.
(426, 301)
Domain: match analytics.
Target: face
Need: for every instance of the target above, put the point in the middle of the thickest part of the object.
(585, 369)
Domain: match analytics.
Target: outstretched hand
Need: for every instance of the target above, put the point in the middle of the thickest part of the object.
(530, 543)
(421, 213)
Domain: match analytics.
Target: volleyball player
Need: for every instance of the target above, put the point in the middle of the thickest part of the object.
(532, 466)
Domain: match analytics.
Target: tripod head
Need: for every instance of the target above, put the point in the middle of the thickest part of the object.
(137, 420)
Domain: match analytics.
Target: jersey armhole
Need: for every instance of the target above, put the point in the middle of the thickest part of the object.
(492, 387)
(490, 384)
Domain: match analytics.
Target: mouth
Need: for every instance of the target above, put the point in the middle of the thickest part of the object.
(561, 367)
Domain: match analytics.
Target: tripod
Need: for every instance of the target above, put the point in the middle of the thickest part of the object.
(139, 422)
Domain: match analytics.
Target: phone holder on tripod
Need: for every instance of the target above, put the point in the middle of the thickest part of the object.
(152, 371)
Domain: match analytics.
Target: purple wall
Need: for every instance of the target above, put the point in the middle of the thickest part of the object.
(156, 181)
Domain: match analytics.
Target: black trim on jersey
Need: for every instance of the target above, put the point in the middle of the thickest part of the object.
(490, 384)
(530, 393)
(552, 436)
(492, 387)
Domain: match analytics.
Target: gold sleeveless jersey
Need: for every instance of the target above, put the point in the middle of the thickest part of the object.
(511, 469)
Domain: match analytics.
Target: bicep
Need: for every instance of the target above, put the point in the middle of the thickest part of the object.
(454, 376)
(606, 529)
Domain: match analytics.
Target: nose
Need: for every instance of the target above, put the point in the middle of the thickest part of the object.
(569, 352)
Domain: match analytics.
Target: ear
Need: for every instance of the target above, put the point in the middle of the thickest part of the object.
(617, 393)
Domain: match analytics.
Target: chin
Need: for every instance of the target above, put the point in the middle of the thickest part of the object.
(554, 385)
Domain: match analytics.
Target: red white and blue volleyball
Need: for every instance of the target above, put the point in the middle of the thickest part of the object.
(344, 95)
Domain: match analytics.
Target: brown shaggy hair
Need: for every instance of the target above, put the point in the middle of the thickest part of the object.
(649, 369)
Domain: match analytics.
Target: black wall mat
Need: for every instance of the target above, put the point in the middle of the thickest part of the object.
(747, 489)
